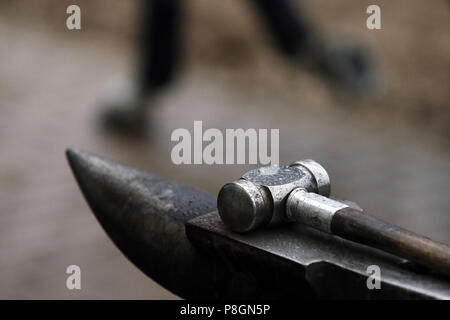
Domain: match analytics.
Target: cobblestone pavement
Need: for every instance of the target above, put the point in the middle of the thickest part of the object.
(50, 92)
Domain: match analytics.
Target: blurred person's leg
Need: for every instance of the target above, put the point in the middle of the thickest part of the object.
(158, 43)
(158, 49)
(347, 65)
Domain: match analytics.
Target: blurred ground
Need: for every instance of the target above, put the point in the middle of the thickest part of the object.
(390, 155)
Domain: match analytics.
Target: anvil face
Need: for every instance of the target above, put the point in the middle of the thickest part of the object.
(174, 235)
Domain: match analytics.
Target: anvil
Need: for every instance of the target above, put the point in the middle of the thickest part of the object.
(173, 233)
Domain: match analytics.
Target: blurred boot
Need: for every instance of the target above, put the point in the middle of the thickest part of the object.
(159, 42)
(347, 66)
(344, 64)
(128, 114)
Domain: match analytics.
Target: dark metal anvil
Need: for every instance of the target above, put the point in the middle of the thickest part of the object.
(173, 233)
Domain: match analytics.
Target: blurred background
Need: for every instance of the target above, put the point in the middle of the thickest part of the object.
(389, 153)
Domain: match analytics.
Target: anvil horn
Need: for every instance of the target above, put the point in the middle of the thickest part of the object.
(174, 235)
(144, 215)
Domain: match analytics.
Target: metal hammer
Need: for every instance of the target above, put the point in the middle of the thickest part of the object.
(272, 195)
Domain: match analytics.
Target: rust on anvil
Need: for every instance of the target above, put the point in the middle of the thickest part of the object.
(174, 235)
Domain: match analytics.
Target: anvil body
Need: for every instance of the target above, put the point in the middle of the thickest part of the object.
(173, 233)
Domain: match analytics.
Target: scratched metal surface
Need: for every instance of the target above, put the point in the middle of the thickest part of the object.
(324, 257)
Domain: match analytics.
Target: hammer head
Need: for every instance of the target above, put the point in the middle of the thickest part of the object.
(259, 197)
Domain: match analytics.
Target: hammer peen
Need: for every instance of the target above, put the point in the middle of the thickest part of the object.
(274, 195)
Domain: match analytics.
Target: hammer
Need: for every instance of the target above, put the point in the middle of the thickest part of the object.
(274, 195)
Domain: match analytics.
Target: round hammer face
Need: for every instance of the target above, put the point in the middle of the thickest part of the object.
(243, 206)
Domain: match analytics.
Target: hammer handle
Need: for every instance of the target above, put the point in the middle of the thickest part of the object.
(353, 225)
